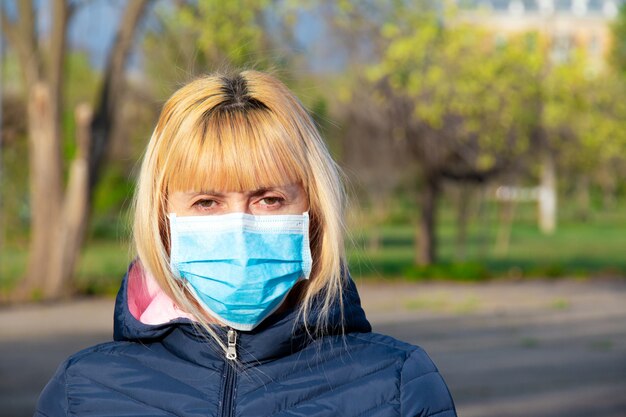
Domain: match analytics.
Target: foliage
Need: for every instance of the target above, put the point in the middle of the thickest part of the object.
(584, 114)
(466, 89)
(83, 80)
(193, 38)
(454, 98)
(14, 214)
(461, 102)
(461, 271)
(82, 83)
(100, 268)
(618, 52)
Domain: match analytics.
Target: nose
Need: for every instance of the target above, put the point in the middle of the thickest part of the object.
(238, 203)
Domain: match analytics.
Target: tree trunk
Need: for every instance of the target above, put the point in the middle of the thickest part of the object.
(547, 195)
(609, 191)
(373, 240)
(378, 215)
(75, 212)
(503, 239)
(463, 214)
(582, 197)
(44, 86)
(426, 234)
(483, 236)
(46, 188)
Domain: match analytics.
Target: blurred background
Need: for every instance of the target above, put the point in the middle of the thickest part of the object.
(483, 143)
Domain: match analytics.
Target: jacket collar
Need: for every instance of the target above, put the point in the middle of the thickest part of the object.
(144, 313)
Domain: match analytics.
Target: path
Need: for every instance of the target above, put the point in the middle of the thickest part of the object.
(540, 349)
(537, 349)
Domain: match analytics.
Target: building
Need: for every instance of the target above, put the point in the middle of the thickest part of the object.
(568, 24)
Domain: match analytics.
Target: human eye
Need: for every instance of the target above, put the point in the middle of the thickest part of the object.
(204, 204)
(271, 201)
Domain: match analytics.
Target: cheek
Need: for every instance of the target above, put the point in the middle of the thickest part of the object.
(303, 206)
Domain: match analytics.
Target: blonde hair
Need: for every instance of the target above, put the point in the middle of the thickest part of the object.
(235, 133)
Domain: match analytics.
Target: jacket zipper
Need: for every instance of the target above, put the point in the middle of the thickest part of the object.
(229, 378)
(231, 348)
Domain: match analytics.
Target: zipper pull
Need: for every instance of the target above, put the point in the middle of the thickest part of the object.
(231, 350)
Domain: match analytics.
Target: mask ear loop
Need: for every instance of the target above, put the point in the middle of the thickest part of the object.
(174, 245)
(307, 259)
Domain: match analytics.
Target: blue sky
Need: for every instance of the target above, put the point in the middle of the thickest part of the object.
(93, 27)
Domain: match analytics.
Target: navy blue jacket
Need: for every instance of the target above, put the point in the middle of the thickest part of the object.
(171, 370)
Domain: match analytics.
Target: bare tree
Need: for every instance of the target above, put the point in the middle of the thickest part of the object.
(59, 212)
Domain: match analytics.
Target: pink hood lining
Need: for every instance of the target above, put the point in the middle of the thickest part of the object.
(147, 301)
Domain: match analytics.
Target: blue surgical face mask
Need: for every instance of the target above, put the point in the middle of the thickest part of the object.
(240, 267)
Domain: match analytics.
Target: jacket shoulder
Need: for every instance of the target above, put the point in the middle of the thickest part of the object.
(423, 391)
(53, 400)
(421, 383)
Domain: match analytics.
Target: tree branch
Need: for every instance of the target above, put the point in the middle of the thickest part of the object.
(22, 35)
(56, 49)
(27, 23)
(106, 114)
(469, 174)
(9, 28)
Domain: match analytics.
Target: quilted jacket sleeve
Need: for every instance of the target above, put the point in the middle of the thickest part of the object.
(53, 399)
(423, 391)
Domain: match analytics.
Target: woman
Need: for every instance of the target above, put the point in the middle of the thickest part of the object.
(239, 303)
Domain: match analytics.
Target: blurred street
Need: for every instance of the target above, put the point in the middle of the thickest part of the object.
(531, 349)
(539, 348)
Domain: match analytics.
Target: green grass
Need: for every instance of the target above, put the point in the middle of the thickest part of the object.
(529, 343)
(560, 304)
(603, 345)
(579, 249)
(100, 269)
(442, 303)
